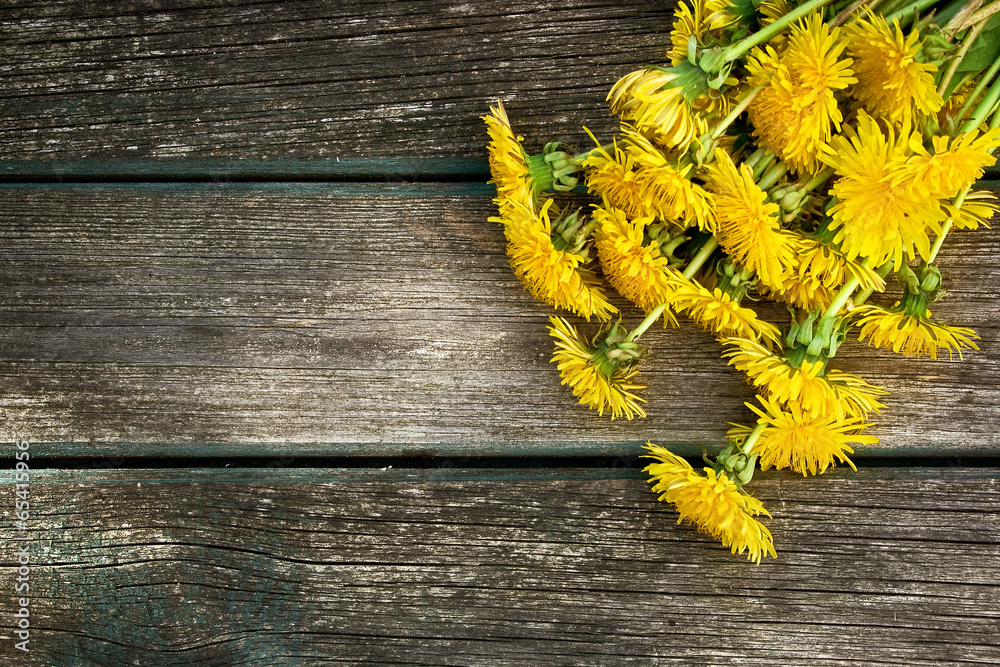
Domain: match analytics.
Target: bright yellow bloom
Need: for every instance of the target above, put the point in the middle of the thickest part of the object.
(574, 358)
(614, 179)
(956, 163)
(804, 443)
(697, 19)
(977, 209)
(796, 110)
(819, 270)
(556, 277)
(652, 100)
(638, 270)
(508, 163)
(749, 230)
(718, 314)
(667, 185)
(896, 330)
(892, 83)
(834, 394)
(713, 503)
(641, 181)
(874, 217)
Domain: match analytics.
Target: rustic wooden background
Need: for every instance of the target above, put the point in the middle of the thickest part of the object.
(288, 405)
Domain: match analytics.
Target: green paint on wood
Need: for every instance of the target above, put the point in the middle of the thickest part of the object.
(202, 169)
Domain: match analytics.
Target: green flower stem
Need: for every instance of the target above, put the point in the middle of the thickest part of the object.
(958, 201)
(981, 16)
(957, 60)
(696, 263)
(818, 180)
(707, 141)
(984, 108)
(772, 175)
(967, 9)
(907, 11)
(984, 81)
(864, 295)
(853, 7)
(842, 297)
(946, 14)
(579, 158)
(733, 114)
(752, 439)
(769, 31)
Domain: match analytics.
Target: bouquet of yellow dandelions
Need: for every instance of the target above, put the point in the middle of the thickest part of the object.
(798, 151)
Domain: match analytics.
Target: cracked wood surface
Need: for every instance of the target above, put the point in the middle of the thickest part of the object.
(505, 567)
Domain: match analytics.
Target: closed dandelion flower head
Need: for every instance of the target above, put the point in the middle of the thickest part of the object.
(599, 390)
(796, 110)
(556, 277)
(654, 101)
(804, 443)
(911, 335)
(749, 230)
(633, 266)
(892, 82)
(508, 164)
(833, 393)
(717, 313)
(712, 502)
(879, 215)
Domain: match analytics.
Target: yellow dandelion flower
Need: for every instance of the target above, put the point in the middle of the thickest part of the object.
(667, 185)
(874, 217)
(805, 443)
(835, 393)
(796, 110)
(911, 335)
(819, 270)
(556, 277)
(575, 358)
(638, 271)
(698, 19)
(749, 230)
(615, 179)
(977, 209)
(956, 163)
(655, 102)
(712, 502)
(718, 314)
(803, 291)
(892, 82)
(508, 163)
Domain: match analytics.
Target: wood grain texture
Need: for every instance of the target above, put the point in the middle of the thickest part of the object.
(256, 81)
(266, 567)
(324, 319)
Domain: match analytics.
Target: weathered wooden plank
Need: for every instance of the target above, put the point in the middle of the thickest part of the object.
(176, 320)
(883, 566)
(255, 81)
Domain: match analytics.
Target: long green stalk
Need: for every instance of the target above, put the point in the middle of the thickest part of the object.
(769, 31)
(696, 263)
